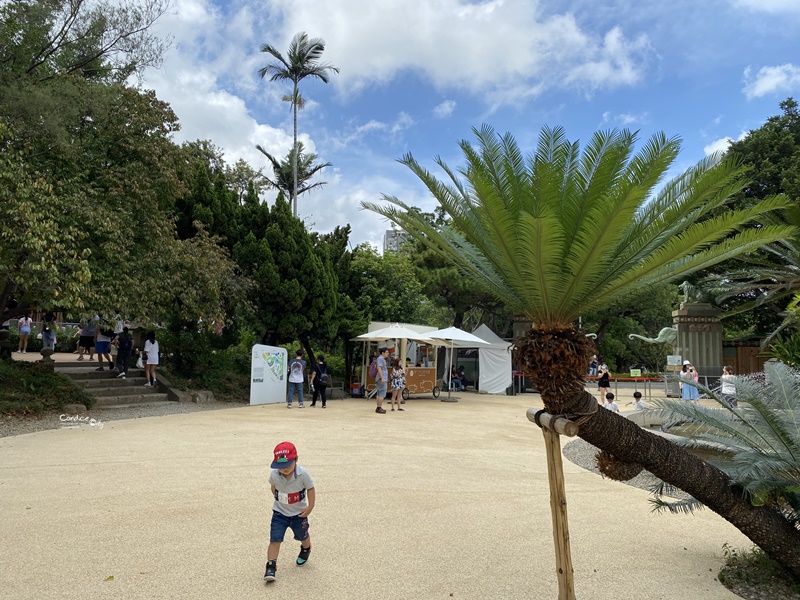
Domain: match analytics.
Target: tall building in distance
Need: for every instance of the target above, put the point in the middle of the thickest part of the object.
(393, 239)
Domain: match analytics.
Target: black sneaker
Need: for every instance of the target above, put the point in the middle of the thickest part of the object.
(269, 574)
(303, 557)
(380, 411)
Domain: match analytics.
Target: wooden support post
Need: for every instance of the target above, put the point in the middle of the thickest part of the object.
(550, 425)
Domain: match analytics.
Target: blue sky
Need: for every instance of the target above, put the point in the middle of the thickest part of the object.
(417, 76)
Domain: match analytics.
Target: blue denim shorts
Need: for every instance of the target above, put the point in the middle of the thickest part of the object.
(280, 523)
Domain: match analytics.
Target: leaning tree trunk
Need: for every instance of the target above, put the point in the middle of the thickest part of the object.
(558, 376)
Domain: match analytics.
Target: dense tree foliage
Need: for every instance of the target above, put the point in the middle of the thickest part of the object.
(645, 313)
(770, 278)
(90, 173)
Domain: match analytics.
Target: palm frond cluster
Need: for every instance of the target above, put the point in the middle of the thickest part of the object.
(565, 229)
(758, 441)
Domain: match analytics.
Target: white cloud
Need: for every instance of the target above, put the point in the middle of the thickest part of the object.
(770, 6)
(445, 109)
(356, 134)
(769, 80)
(624, 119)
(720, 145)
(502, 48)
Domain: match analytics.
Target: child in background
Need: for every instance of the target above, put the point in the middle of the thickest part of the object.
(293, 490)
(610, 404)
(637, 401)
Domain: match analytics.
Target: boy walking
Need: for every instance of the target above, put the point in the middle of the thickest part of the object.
(293, 490)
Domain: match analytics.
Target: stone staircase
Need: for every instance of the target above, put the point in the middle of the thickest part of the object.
(109, 390)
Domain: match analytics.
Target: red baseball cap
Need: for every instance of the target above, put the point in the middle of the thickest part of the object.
(285, 454)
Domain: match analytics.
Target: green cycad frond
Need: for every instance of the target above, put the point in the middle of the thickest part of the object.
(760, 438)
(564, 230)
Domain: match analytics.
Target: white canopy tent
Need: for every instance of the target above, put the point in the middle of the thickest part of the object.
(494, 362)
(453, 337)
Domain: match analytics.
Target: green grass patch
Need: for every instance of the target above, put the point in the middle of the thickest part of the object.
(29, 388)
(752, 574)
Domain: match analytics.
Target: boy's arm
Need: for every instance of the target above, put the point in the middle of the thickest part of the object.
(311, 496)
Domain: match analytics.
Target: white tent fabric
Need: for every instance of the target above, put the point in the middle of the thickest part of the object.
(494, 362)
(454, 337)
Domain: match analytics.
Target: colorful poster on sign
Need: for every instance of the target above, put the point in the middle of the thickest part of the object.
(268, 375)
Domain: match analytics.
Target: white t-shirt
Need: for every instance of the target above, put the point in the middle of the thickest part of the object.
(728, 386)
(151, 348)
(638, 404)
(290, 494)
(612, 406)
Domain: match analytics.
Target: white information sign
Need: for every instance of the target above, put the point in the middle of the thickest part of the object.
(268, 375)
(674, 360)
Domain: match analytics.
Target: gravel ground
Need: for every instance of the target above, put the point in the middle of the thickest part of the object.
(19, 425)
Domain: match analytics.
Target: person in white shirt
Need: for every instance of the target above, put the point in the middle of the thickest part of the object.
(151, 349)
(728, 386)
(610, 404)
(637, 401)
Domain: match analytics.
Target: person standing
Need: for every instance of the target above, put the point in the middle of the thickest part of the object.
(24, 332)
(297, 368)
(86, 341)
(49, 330)
(124, 344)
(728, 386)
(151, 350)
(398, 384)
(604, 382)
(381, 379)
(102, 345)
(319, 381)
(689, 378)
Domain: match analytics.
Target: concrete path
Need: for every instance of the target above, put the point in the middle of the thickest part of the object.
(440, 501)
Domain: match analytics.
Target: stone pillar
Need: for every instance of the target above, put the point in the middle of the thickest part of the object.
(46, 360)
(699, 337)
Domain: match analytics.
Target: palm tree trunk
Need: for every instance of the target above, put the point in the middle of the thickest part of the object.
(629, 443)
(294, 160)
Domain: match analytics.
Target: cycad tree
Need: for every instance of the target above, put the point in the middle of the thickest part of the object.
(301, 61)
(758, 440)
(562, 231)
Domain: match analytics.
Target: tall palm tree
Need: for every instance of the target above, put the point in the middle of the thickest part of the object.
(283, 177)
(560, 232)
(302, 60)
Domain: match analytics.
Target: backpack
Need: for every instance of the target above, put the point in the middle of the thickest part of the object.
(323, 376)
(373, 369)
(297, 369)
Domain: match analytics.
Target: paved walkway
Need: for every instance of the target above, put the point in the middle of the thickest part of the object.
(440, 501)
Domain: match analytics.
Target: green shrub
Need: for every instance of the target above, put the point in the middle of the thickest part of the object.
(31, 388)
(755, 569)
